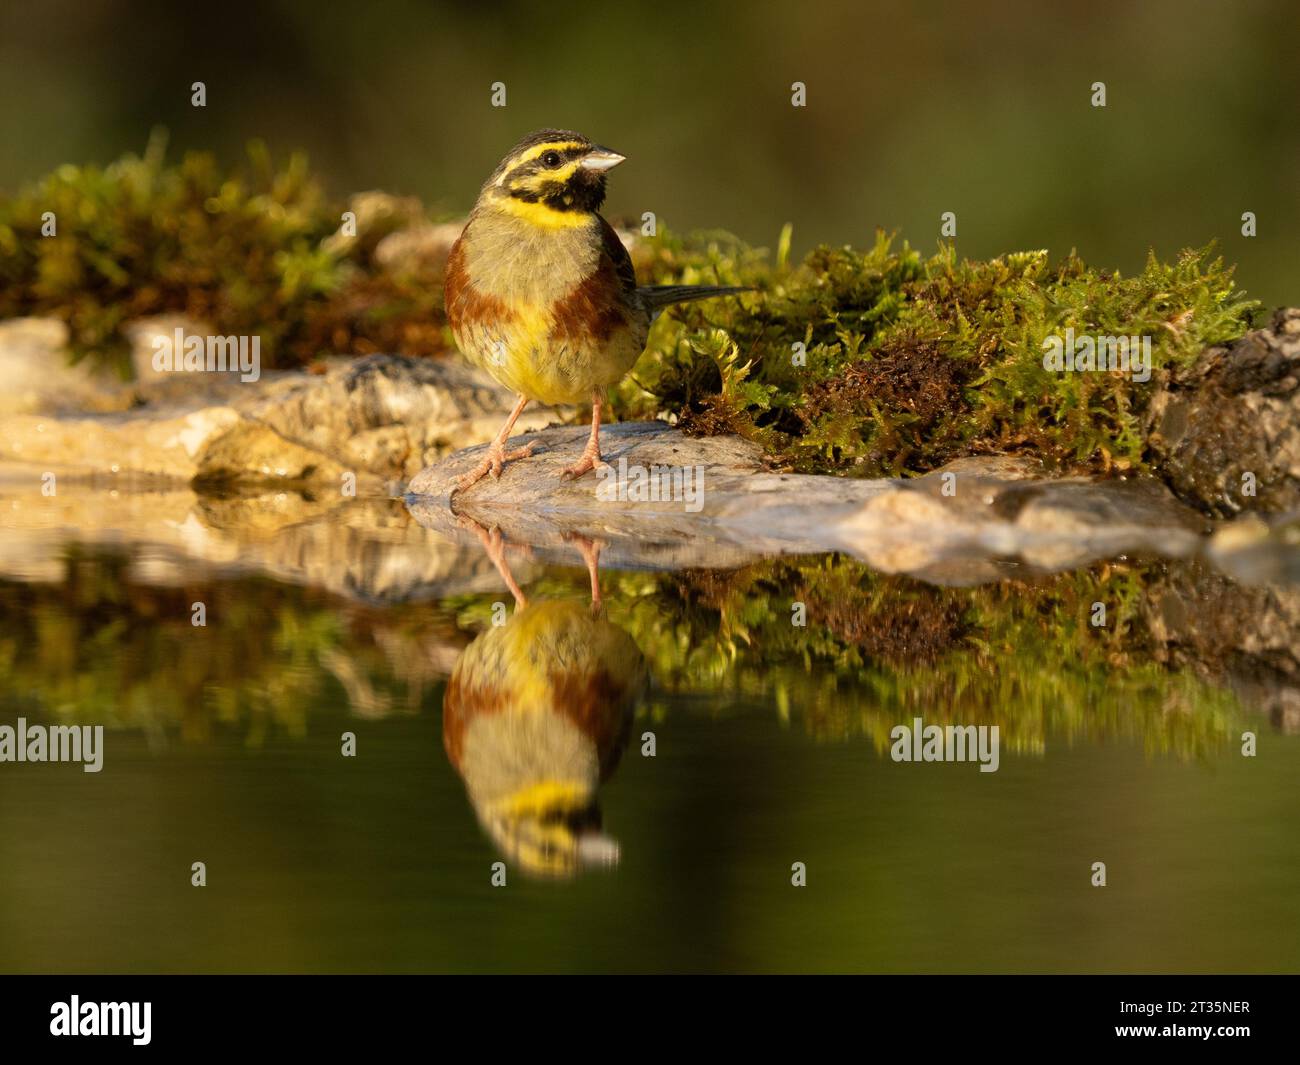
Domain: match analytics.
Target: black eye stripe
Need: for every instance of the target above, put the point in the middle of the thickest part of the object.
(554, 157)
(536, 166)
(523, 170)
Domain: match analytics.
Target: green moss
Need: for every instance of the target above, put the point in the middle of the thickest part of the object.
(908, 361)
(246, 250)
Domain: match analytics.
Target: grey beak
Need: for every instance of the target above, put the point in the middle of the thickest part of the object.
(601, 159)
(597, 849)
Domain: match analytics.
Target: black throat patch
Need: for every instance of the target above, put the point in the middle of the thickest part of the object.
(582, 190)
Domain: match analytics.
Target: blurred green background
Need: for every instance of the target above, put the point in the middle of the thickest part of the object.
(913, 110)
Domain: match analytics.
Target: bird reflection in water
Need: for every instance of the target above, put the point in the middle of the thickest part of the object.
(535, 717)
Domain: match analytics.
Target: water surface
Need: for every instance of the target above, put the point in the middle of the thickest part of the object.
(771, 747)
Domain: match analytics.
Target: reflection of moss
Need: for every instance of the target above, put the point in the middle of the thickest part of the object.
(101, 647)
(875, 651)
(878, 650)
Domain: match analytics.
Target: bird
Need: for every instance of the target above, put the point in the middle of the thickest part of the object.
(536, 714)
(541, 293)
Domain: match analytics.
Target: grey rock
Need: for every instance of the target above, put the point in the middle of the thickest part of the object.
(963, 524)
(161, 442)
(419, 248)
(1235, 411)
(386, 415)
(378, 215)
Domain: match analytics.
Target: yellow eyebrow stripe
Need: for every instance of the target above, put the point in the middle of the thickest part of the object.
(561, 174)
(542, 149)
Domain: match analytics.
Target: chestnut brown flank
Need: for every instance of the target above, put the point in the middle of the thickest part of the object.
(467, 305)
(593, 702)
(592, 311)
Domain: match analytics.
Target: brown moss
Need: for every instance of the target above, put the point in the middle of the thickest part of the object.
(714, 416)
(908, 375)
(379, 313)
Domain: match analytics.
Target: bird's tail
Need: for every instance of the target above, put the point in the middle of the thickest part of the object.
(657, 296)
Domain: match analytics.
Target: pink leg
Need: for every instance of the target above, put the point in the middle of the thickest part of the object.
(494, 544)
(497, 455)
(591, 453)
(590, 552)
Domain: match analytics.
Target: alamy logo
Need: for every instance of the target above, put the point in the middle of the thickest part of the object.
(946, 743)
(652, 484)
(102, 1018)
(59, 743)
(180, 353)
(1071, 354)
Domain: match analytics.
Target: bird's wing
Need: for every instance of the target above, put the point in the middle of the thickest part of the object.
(655, 297)
(617, 254)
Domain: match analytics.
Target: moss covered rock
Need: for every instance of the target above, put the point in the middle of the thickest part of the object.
(870, 362)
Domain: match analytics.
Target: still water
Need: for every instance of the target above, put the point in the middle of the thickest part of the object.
(648, 773)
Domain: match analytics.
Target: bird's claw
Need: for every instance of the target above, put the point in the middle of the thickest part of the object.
(493, 463)
(590, 460)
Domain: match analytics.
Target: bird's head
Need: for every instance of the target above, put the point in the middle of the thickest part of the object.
(550, 829)
(553, 177)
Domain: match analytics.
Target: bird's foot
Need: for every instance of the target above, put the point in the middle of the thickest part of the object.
(492, 538)
(493, 462)
(589, 549)
(494, 545)
(589, 461)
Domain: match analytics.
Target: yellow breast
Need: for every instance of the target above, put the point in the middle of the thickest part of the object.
(544, 311)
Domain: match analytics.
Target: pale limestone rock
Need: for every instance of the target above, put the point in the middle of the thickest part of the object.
(163, 443)
(39, 378)
(381, 418)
